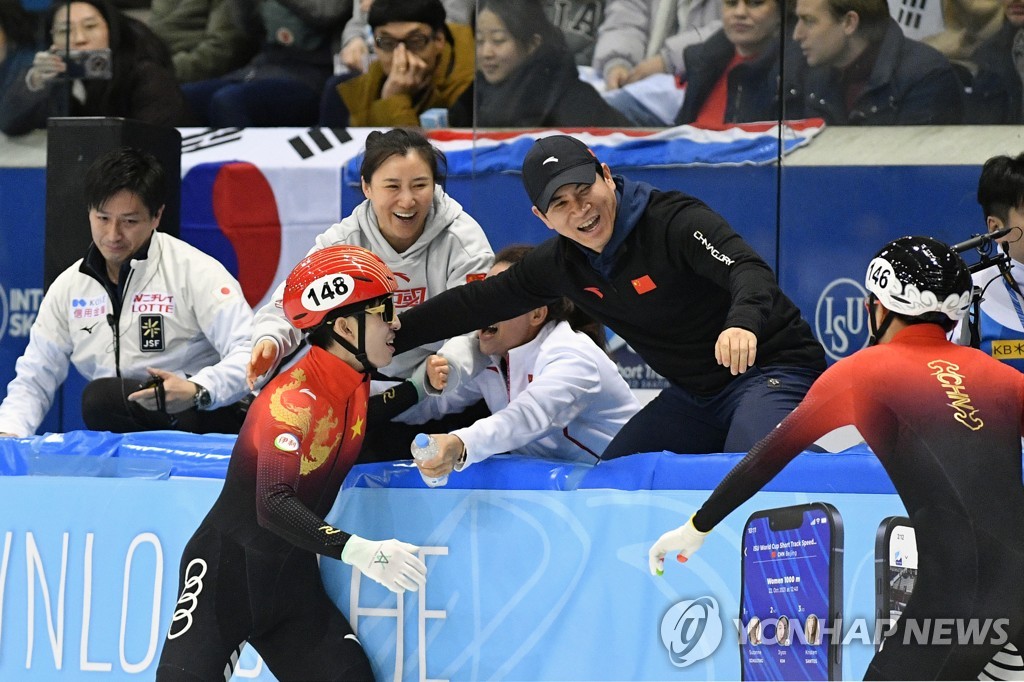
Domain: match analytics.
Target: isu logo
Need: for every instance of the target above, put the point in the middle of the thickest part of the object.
(189, 597)
(840, 318)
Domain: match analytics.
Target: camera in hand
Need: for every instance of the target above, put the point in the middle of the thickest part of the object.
(89, 64)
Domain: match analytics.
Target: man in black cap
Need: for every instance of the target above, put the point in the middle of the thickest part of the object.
(670, 277)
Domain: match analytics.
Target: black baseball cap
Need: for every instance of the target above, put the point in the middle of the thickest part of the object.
(553, 162)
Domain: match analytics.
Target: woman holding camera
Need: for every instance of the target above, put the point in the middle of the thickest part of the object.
(100, 63)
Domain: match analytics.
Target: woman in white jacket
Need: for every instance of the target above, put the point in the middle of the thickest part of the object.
(421, 233)
(552, 391)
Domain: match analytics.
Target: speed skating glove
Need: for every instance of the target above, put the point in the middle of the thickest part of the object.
(684, 540)
(392, 563)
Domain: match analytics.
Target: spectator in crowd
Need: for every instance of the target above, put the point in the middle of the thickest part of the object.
(17, 42)
(639, 38)
(409, 221)
(281, 85)
(669, 276)
(139, 84)
(965, 25)
(256, 554)
(424, 63)
(158, 328)
(355, 44)
(733, 77)
(551, 389)
(998, 327)
(945, 423)
(995, 95)
(526, 75)
(863, 71)
(205, 39)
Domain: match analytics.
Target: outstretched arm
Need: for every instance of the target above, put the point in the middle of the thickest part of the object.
(828, 405)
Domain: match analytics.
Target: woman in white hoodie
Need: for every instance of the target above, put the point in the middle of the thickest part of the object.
(421, 233)
(429, 242)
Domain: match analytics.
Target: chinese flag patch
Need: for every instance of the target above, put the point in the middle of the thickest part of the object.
(644, 284)
(475, 276)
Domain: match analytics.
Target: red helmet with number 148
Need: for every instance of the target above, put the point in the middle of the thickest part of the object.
(337, 279)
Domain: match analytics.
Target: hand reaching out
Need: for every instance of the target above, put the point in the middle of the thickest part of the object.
(736, 349)
(392, 563)
(684, 540)
(264, 355)
(450, 449)
(437, 372)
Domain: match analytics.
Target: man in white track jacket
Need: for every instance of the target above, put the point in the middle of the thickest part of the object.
(159, 329)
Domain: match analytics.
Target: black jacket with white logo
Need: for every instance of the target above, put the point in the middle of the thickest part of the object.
(672, 278)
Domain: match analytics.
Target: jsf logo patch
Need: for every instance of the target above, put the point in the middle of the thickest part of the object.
(18, 309)
(691, 630)
(151, 333)
(840, 319)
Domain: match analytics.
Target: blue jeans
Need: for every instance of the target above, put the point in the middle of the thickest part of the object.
(731, 421)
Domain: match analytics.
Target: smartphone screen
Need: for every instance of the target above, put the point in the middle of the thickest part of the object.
(792, 593)
(895, 568)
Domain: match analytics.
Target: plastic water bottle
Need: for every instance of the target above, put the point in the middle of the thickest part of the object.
(424, 448)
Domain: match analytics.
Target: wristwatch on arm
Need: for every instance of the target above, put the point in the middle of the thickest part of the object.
(202, 399)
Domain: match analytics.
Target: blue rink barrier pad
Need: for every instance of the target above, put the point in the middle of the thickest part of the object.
(163, 454)
(153, 454)
(537, 570)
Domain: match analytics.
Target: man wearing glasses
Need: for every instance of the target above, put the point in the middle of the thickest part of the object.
(423, 64)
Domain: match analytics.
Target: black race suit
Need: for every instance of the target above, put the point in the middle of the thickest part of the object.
(250, 573)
